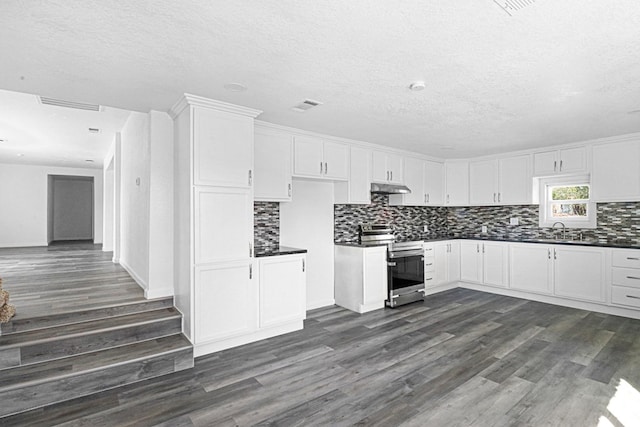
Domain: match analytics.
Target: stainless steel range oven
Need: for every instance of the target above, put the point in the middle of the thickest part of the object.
(405, 273)
(405, 264)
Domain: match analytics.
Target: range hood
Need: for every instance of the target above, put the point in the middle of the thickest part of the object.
(389, 189)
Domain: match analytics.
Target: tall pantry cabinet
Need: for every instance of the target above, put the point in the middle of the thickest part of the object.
(215, 285)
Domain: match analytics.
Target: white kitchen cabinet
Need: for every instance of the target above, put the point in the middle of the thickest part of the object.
(223, 224)
(565, 161)
(360, 277)
(446, 264)
(484, 262)
(226, 301)
(506, 181)
(316, 158)
(282, 284)
(357, 190)
(222, 148)
(456, 183)
(579, 273)
(530, 268)
(413, 172)
(483, 182)
(387, 168)
(615, 172)
(625, 278)
(272, 167)
(433, 183)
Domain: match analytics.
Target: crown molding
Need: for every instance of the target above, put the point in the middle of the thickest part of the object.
(199, 101)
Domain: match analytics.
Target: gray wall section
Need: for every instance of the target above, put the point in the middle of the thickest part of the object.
(72, 213)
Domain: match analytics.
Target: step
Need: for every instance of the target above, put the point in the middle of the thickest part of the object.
(100, 311)
(38, 345)
(40, 384)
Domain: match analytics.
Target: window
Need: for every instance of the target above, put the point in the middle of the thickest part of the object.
(567, 200)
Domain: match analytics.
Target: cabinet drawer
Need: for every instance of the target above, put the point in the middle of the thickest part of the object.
(428, 250)
(429, 278)
(429, 264)
(626, 277)
(625, 296)
(626, 258)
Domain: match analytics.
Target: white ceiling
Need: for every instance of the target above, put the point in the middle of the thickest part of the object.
(554, 72)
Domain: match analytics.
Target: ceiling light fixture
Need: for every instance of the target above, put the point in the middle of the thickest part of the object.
(20, 155)
(235, 87)
(417, 86)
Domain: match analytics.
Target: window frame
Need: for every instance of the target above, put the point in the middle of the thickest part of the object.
(546, 220)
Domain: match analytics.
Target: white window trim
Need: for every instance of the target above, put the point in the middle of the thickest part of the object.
(545, 221)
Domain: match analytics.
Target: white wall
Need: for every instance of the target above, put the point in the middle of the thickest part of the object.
(134, 197)
(307, 222)
(23, 203)
(161, 206)
(109, 209)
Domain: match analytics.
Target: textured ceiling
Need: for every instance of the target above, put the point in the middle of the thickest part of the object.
(554, 72)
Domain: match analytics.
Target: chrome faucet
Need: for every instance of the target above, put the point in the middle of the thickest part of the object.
(564, 229)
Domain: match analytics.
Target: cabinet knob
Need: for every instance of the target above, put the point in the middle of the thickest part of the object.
(289, 185)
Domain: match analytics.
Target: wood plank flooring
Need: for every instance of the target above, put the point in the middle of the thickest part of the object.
(461, 358)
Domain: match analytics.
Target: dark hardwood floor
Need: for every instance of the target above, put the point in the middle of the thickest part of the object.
(461, 358)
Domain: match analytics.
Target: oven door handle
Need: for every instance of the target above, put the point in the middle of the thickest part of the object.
(392, 264)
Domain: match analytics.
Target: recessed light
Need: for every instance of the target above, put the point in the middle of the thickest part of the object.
(235, 87)
(20, 155)
(417, 86)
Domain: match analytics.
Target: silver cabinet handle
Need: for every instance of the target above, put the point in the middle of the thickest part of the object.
(325, 168)
(633, 258)
(289, 185)
(391, 175)
(555, 164)
(447, 198)
(498, 197)
(560, 165)
(427, 279)
(427, 197)
(250, 271)
(250, 178)
(477, 247)
(250, 249)
(494, 197)
(555, 254)
(429, 264)
(633, 296)
(303, 266)
(549, 253)
(320, 168)
(633, 277)
(483, 248)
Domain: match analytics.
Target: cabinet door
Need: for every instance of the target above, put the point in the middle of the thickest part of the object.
(441, 268)
(394, 164)
(457, 183)
(336, 159)
(358, 189)
(471, 261)
(225, 300)
(516, 182)
(272, 167)
(615, 174)
(433, 183)
(545, 163)
(454, 261)
(573, 160)
(380, 173)
(483, 183)
(375, 277)
(530, 268)
(223, 148)
(308, 156)
(282, 289)
(579, 273)
(494, 264)
(414, 179)
(223, 234)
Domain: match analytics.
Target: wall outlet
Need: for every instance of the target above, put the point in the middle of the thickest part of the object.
(425, 228)
(514, 221)
(484, 228)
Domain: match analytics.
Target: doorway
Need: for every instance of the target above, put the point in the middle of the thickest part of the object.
(70, 208)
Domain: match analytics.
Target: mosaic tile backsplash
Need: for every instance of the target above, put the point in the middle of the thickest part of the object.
(266, 224)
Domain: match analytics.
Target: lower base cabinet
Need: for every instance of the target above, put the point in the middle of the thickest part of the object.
(579, 273)
(530, 269)
(238, 303)
(360, 277)
(446, 264)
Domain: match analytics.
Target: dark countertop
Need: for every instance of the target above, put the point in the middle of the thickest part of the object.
(277, 250)
(620, 244)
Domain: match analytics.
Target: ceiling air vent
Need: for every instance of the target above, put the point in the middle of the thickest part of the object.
(94, 130)
(68, 104)
(512, 6)
(306, 105)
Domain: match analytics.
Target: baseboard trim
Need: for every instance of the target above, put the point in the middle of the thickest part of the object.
(135, 277)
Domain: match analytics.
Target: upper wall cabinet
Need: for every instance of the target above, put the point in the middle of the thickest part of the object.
(615, 175)
(272, 166)
(357, 190)
(505, 181)
(387, 168)
(223, 148)
(433, 183)
(413, 173)
(565, 161)
(315, 158)
(456, 183)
